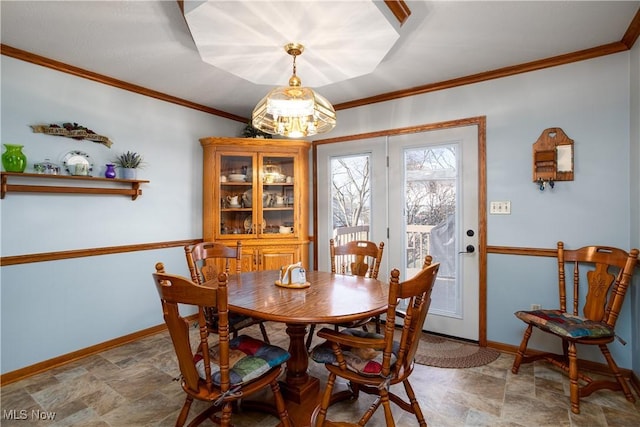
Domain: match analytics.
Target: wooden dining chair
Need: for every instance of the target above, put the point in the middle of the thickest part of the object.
(205, 260)
(226, 371)
(608, 274)
(358, 258)
(371, 362)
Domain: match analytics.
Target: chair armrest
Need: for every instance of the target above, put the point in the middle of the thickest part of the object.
(350, 340)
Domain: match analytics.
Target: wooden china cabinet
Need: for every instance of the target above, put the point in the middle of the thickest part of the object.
(256, 191)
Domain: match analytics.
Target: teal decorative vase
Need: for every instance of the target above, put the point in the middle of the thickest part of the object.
(14, 159)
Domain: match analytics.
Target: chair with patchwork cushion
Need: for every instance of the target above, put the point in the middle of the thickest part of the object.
(226, 371)
(358, 258)
(205, 260)
(608, 274)
(372, 362)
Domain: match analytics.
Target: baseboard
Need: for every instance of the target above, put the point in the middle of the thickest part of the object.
(28, 371)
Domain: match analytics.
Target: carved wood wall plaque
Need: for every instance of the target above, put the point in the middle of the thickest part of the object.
(72, 130)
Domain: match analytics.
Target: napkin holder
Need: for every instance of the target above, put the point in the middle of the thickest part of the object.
(293, 275)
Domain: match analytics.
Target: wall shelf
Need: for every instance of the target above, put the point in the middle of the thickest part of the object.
(128, 187)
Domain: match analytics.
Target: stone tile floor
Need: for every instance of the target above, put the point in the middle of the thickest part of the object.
(133, 385)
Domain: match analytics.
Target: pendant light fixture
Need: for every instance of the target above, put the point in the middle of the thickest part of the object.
(294, 111)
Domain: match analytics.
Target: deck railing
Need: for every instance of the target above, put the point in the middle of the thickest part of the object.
(418, 242)
(342, 235)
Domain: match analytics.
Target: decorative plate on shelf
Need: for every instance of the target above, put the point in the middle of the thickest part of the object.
(78, 163)
(248, 223)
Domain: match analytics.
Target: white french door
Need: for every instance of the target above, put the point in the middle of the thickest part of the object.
(437, 214)
(423, 200)
(374, 152)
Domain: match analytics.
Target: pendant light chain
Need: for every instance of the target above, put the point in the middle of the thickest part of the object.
(294, 64)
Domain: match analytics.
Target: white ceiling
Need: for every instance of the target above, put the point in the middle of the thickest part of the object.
(250, 32)
(148, 43)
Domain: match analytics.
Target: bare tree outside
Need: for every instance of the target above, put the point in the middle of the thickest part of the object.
(430, 198)
(430, 184)
(351, 191)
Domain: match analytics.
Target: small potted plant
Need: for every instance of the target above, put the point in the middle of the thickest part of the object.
(250, 132)
(129, 163)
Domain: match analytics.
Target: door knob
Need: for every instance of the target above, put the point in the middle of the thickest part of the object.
(469, 250)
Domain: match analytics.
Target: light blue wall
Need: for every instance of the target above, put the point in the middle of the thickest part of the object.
(77, 303)
(53, 308)
(590, 101)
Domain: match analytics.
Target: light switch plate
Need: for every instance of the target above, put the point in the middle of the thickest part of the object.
(500, 208)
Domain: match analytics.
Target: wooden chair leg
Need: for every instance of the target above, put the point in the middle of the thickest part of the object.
(184, 412)
(326, 400)
(225, 420)
(370, 411)
(616, 372)
(355, 390)
(565, 349)
(280, 405)
(386, 405)
(265, 337)
(312, 330)
(573, 379)
(414, 403)
(522, 349)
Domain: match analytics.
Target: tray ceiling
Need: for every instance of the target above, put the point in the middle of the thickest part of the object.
(150, 43)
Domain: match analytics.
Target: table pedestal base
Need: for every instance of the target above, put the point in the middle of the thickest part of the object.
(301, 393)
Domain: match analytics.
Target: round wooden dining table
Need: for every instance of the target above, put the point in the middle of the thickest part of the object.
(330, 298)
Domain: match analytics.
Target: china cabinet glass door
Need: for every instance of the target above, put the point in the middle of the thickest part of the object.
(257, 196)
(277, 183)
(236, 196)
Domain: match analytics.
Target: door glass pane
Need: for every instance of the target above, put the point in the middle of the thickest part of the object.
(430, 213)
(350, 200)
